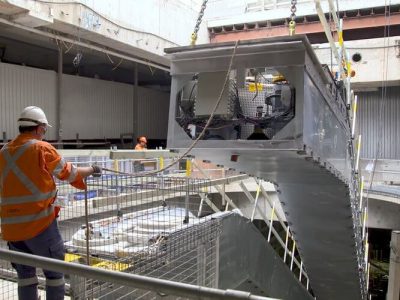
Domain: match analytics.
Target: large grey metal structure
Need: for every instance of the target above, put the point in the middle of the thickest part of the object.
(309, 159)
(257, 268)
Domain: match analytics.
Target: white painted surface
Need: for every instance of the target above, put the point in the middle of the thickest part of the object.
(378, 63)
(228, 12)
(143, 28)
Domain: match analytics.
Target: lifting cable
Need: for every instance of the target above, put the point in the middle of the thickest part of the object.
(198, 22)
(202, 132)
(292, 23)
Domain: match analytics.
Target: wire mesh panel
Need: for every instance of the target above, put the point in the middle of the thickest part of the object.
(149, 225)
(187, 256)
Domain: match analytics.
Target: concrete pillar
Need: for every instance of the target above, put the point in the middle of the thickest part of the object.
(394, 268)
(58, 97)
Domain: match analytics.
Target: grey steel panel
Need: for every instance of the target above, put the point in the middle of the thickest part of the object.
(311, 166)
(374, 131)
(23, 86)
(323, 132)
(316, 205)
(245, 256)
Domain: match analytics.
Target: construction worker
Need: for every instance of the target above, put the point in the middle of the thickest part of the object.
(27, 192)
(141, 143)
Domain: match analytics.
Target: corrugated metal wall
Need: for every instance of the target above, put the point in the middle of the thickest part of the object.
(371, 129)
(153, 116)
(23, 86)
(93, 108)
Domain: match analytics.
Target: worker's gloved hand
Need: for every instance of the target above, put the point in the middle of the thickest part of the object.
(96, 171)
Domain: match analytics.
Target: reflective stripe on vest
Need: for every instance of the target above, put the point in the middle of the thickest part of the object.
(36, 195)
(60, 166)
(28, 218)
(28, 199)
(12, 159)
(74, 173)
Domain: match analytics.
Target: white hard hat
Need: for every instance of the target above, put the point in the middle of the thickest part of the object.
(32, 116)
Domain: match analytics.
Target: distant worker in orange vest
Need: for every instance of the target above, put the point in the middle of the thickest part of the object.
(141, 143)
(27, 192)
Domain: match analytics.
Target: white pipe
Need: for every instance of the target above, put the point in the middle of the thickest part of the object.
(358, 153)
(286, 244)
(327, 30)
(265, 218)
(82, 44)
(301, 270)
(368, 267)
(271, 222)
(200, 207)
(364, 223)
(293, 250)
(333, 13)
(361, 193)
(349, 99)
(353, 127)
(265, 194)
(220, 191)
(256, 201)
(366, 253)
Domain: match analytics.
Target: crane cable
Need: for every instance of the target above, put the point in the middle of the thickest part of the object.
(292, 23)
(228, 72)
(193, 37)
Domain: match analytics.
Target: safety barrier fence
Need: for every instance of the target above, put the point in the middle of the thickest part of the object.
(129, 286)
(149, 225)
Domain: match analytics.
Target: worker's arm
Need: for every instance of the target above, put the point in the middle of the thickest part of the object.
(87, 171)
(64, 170)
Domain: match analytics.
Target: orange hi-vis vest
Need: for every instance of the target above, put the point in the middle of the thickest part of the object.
(27, 187)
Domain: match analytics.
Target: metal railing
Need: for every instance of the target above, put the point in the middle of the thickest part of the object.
(288, 245)
(150, 287)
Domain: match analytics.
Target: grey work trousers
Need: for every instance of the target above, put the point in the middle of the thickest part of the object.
(49, 243)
